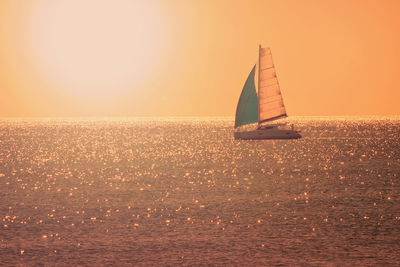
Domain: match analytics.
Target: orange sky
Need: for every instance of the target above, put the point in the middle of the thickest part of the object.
(191, 58)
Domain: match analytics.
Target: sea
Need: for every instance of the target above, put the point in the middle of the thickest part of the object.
(183, 192)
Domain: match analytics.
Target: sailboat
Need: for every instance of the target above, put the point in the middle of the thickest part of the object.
(264, 108)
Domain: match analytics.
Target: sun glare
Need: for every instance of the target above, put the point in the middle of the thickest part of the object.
(96, 49)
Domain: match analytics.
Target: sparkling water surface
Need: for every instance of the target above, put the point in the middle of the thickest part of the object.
(184, 192)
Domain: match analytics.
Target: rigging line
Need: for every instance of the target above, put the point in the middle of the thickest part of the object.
(264, 110)
(274, 118)
(269, 85)
(271, 101)
(267, 68)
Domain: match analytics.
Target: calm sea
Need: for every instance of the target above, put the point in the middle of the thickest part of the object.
(184, 192)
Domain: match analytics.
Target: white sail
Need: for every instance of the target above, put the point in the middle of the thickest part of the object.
(270, 102)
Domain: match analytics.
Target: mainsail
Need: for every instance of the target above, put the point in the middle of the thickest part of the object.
(270, 105)
(247, 108)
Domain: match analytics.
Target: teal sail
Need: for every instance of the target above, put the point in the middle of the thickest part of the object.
(247, 108)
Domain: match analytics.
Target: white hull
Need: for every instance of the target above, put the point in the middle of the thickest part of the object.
(273, 133)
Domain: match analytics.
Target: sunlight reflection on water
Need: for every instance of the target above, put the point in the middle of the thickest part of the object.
(183, 191)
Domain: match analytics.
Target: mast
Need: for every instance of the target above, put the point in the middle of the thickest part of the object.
(258, 83)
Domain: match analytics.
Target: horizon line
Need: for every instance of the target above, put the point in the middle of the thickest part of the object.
(188, 117)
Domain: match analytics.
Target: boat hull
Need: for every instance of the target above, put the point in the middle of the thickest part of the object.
(261, 134)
